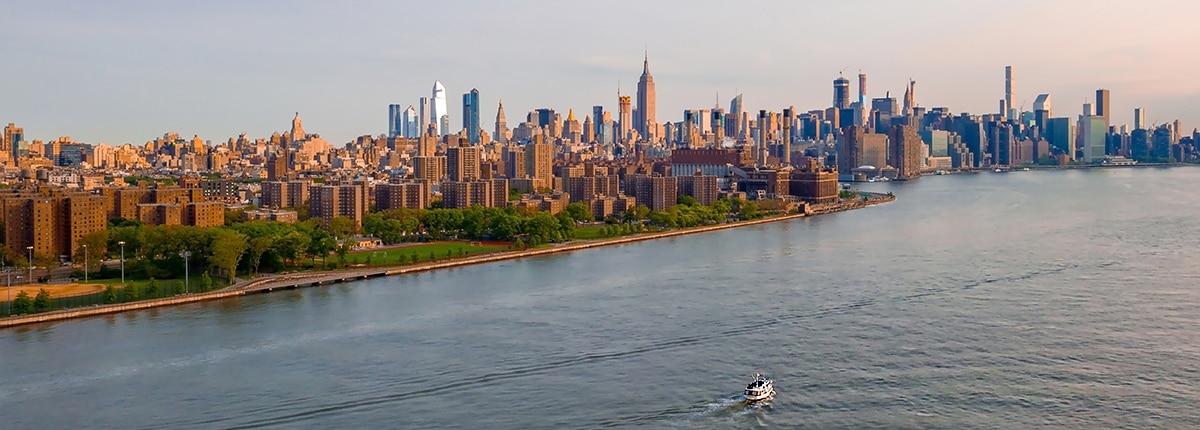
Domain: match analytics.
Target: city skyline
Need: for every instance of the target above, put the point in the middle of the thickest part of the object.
(99, 76)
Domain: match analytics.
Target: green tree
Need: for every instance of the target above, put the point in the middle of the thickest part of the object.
(206, 282)
(133, 292)
(227, 249)
(152, 290)
(22, 304)
(110, 294)
(579, 211)
(342, 250)
(414, 258)
(257, 247)
(342, 227)
(97, 248)
(42, 302)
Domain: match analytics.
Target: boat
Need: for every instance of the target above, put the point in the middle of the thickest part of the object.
(761, 388)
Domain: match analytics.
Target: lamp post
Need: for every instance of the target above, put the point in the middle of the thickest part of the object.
(85, 256)
(122, 243)
(30, 248)
(185, 254)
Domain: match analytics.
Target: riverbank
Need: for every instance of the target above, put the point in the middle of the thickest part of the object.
(270, 283)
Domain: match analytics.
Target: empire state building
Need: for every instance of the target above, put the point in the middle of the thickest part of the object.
(645, 117)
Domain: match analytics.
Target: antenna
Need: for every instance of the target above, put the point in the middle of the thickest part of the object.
(843, 70)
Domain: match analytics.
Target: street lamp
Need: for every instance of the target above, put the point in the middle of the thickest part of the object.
(30, 248)
(185, 254)
(85, 256)
(122, 243)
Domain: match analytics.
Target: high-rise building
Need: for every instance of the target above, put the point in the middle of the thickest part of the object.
(462, 162)
(1139, 119)
(647, 114)
(395, 121)
(1008, 90)
(297, 133)
(471, 115)
(539, 163)
(624, 118)
(1061, 134)
(1103, 108)
(14, 137)
(411, 123)
(862, 89)
(841, 93)
(501, 134)
(1092, 135)
(330, 201)
(658, 193)
(426, 119)
(437, 109)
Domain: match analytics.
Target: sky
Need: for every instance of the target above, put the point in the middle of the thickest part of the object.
(129, 71)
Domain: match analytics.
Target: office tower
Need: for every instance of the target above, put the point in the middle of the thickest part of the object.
(646, 108)
(1042, 112)
(598, 114)
(1008, 90)
(437, 110)
(13, 138)
(589, 130)
(862, 88)
(905, 151)
(624, 118)
(1103, 108)
(395, 121)
(426, 120)
(1061, 134)
(297, 133)
(571, 129)
(735, 113)
(841, 93)
(1139, 119)
(1087, 109)
(501, 134)
(910, 95)
(411, 123)
(471, 115)
(718, 123)
(1092, 135)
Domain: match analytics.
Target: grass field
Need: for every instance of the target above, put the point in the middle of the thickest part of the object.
(424, 252)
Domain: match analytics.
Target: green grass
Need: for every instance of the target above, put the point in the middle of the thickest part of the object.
(437, 250)
(589, 232)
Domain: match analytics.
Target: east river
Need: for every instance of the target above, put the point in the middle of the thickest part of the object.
(1043, 299)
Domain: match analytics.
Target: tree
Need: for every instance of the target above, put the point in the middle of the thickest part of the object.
(257, 247)
(227, 249)
(342, 227)
(579, 211)
(42, 302)
(342, 250)
(152, 290)
(110, 294)
(133, 292)
(22, 304)
(205, 282)
(291, 246)
(97, 248)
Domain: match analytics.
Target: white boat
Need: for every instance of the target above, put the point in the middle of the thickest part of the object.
(761, 388)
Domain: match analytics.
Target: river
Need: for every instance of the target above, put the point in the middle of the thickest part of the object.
(1043, 299)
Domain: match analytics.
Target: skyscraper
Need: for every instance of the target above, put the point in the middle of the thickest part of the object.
(423, 127)
(395, 121)
(624, 118)
(13, 137)
(297, 128)
(438, 108)
(501, 134)
(471, 115)
(598, 114)
(1103, 108)
(1139, 119)
(735, 111)
(862, 89)
(1008, 90)
(411, 122)
(646, 107)
(841, 93)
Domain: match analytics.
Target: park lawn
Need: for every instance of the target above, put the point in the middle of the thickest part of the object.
(58, 290)
(590, 232)
(438, 250)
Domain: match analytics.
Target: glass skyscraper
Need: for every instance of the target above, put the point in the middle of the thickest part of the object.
(471, 115)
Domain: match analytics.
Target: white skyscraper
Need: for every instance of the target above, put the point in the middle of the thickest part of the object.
(411, 123)
(439, 108)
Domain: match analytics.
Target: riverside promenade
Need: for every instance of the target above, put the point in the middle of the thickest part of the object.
(269, 283)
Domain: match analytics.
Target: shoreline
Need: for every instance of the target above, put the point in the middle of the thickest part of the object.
(269, 283)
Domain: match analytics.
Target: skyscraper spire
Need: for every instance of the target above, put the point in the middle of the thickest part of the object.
(646, 117)
(646, 63)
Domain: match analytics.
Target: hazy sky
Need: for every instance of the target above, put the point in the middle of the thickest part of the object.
(128, 71)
